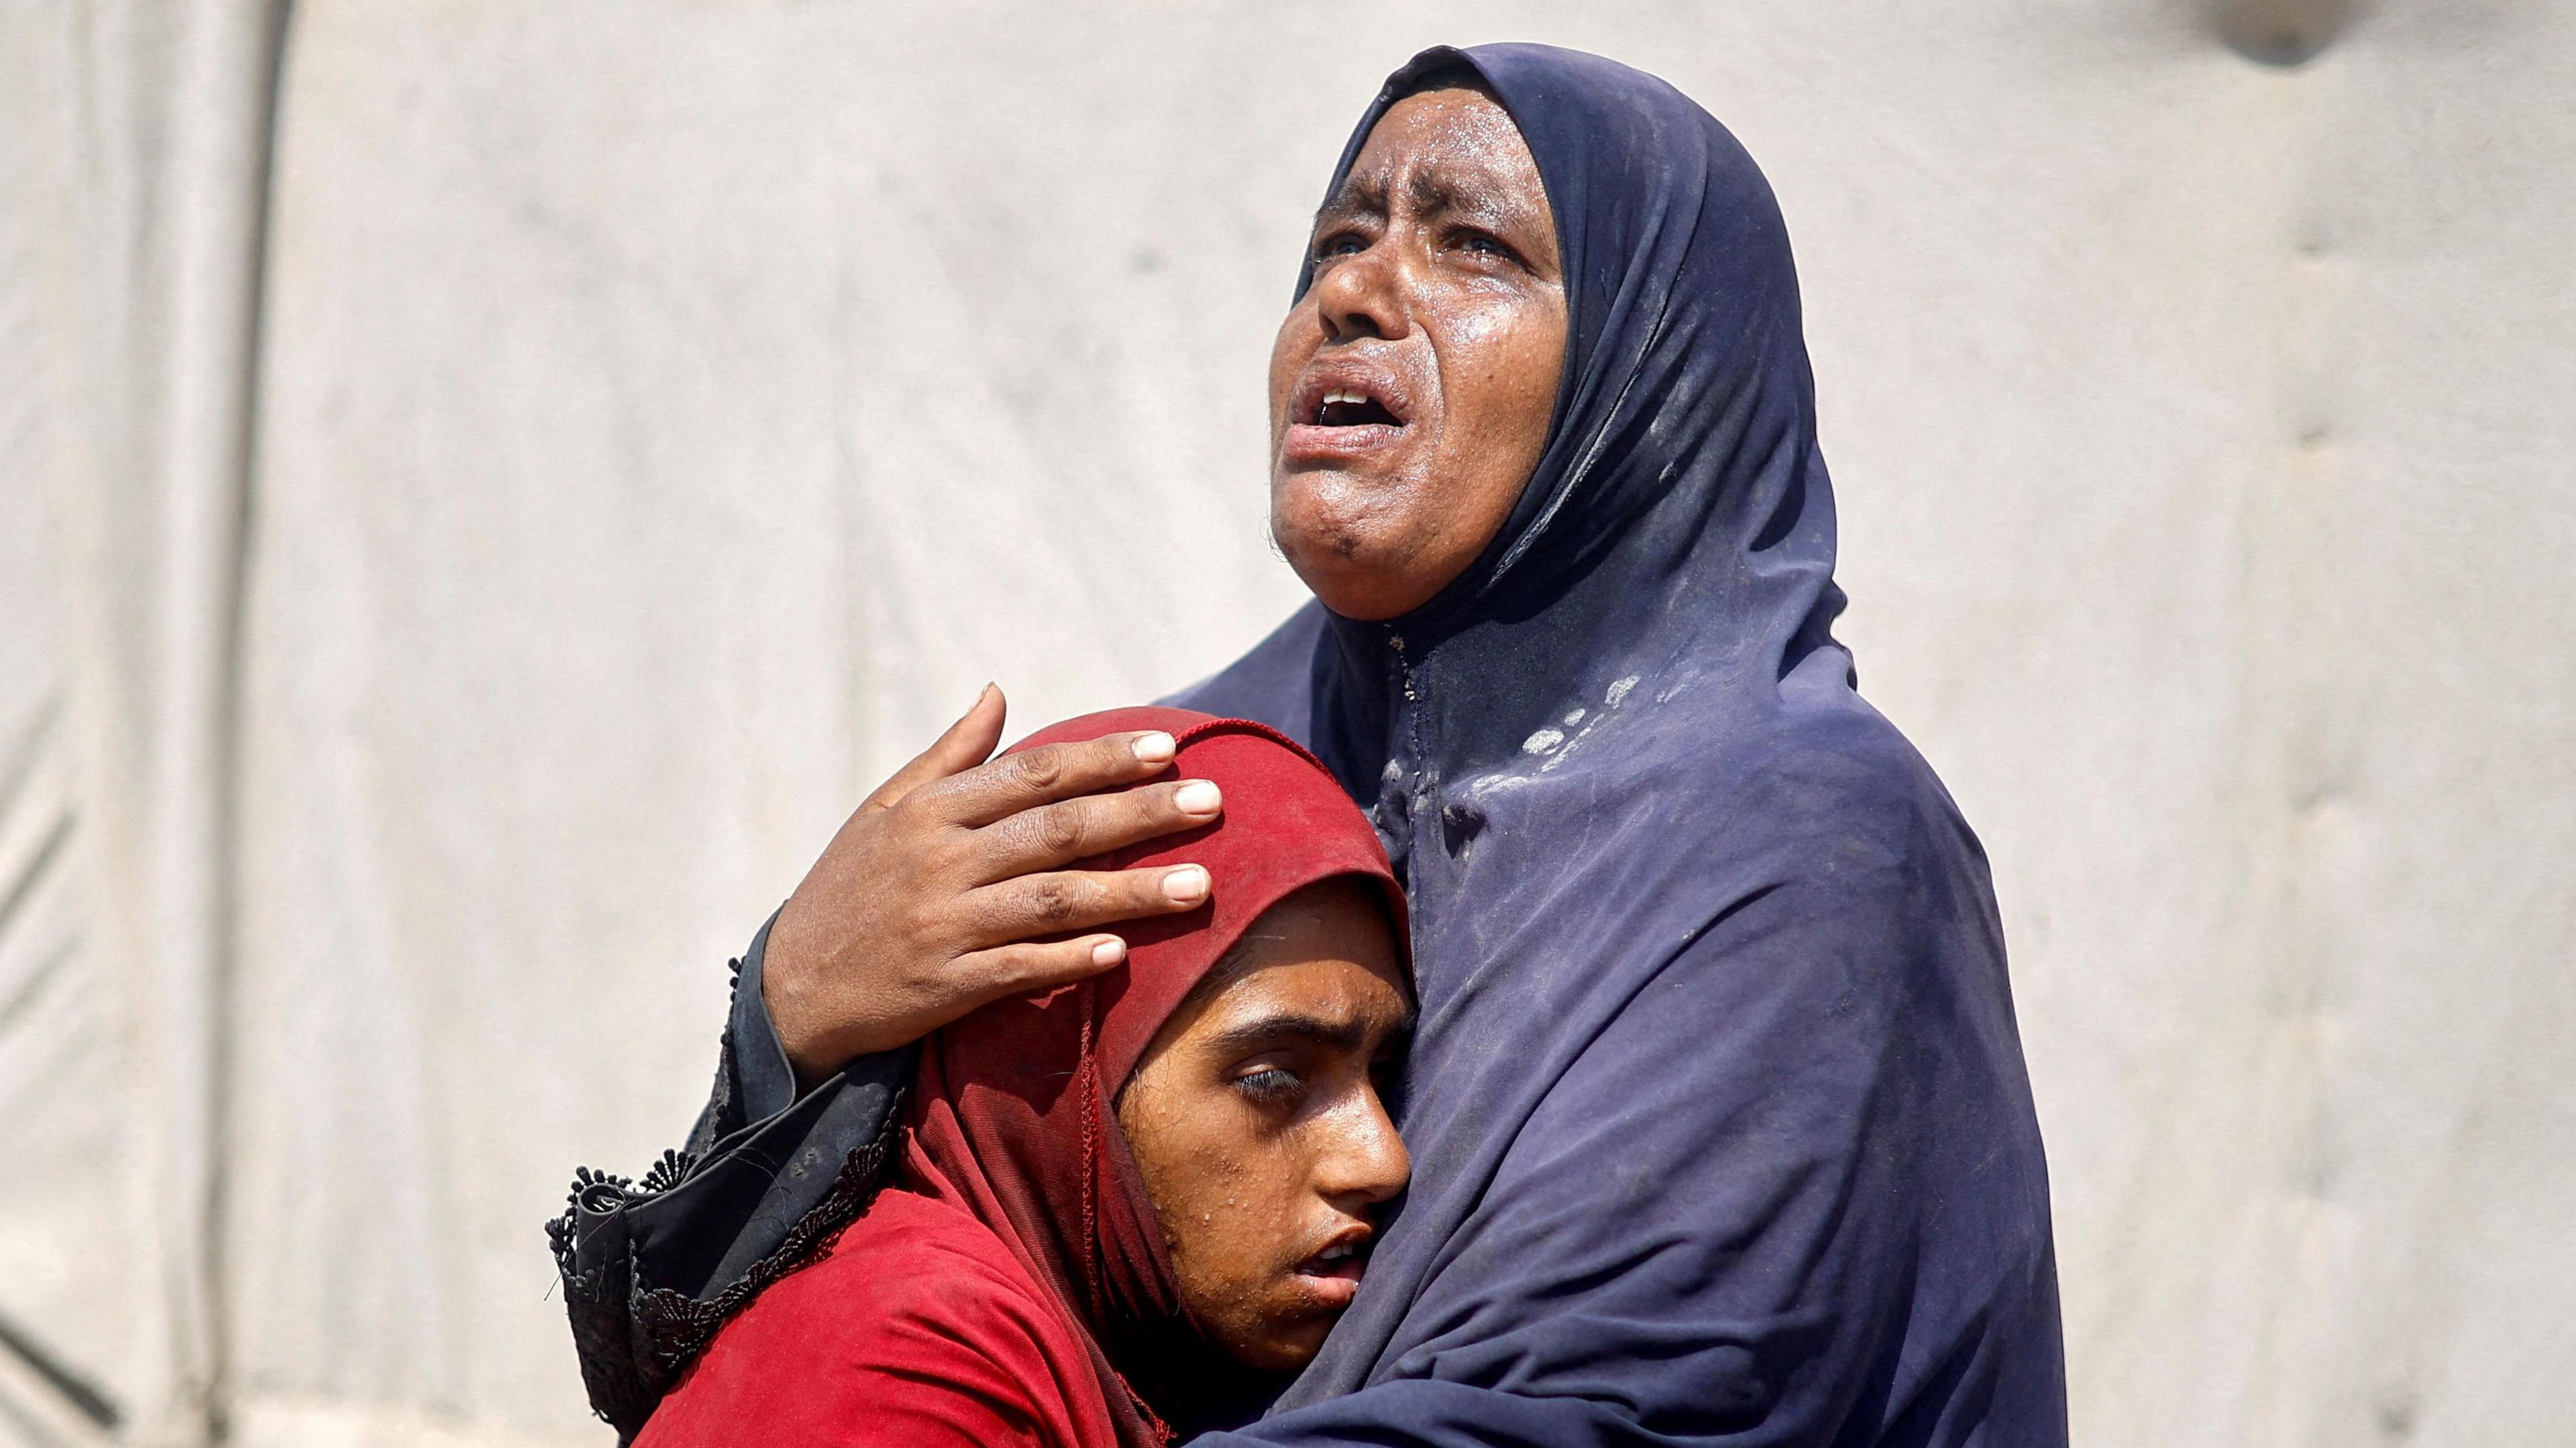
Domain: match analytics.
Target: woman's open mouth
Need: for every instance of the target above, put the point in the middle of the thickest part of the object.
(1344, 407)
(1343, 412)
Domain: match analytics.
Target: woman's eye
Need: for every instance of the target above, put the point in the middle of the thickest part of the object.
(1483, 245)
(1340, 244)
(1276, 1083)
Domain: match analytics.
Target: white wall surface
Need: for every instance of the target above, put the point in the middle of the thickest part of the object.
(484, 487)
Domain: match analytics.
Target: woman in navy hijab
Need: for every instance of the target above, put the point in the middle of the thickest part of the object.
(1719, 1120)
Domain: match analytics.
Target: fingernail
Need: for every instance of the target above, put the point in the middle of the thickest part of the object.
(1187, 885)
(1155, 748)
(1109, 952)
(1199, 797)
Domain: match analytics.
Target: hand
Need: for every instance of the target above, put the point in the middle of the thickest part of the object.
(922, 907)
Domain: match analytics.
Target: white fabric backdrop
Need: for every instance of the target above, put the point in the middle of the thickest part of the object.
(485, 485)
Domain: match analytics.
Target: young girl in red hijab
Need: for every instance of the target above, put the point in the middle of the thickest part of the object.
(1121, 1204)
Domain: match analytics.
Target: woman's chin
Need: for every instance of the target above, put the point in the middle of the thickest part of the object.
(1350, 569)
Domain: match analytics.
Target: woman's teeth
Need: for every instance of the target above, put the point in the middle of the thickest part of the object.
(1343, 407)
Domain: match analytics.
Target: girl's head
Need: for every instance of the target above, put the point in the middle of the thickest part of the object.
(1258, 1123)
(1197, 1138)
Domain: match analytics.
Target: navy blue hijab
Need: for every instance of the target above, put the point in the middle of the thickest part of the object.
(1720, 1128)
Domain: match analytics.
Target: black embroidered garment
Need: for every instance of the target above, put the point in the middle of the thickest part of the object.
(651, 1269)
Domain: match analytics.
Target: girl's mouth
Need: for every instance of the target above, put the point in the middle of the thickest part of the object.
(1332, 1276)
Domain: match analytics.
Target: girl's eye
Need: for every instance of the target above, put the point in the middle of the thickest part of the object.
(1276, 1083)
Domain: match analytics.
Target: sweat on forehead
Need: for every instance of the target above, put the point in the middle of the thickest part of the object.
(1355, 892)
(1433, 191)
(1468, 103)
(1458, 156)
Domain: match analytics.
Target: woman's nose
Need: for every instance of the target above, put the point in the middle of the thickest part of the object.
(1359, 297)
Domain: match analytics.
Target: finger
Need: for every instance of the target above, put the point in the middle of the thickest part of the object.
(1067, 900)
(1032, 966)
(1050, 772)
(967, 743)
(1058, 834)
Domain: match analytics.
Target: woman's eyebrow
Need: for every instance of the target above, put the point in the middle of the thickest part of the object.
(1358, 196)
(1435, 194)
(1430, 193)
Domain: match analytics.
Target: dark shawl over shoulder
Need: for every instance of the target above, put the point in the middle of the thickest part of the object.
(1720, 1127)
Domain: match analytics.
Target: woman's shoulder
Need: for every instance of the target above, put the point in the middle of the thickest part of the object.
(918, 1325)
(1830, 782)
(1272, 683)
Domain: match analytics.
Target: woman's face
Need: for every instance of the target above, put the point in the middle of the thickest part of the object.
(1411, 387)
(1256, 1122)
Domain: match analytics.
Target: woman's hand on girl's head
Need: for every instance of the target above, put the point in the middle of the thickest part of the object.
(926, 903)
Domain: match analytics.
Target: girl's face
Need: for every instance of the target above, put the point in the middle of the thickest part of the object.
(1256, 1121)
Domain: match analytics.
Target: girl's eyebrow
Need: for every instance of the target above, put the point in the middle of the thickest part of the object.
(1345, 1034)
(1342, 1035)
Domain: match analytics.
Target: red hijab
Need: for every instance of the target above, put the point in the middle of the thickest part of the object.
(1011, 1116)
